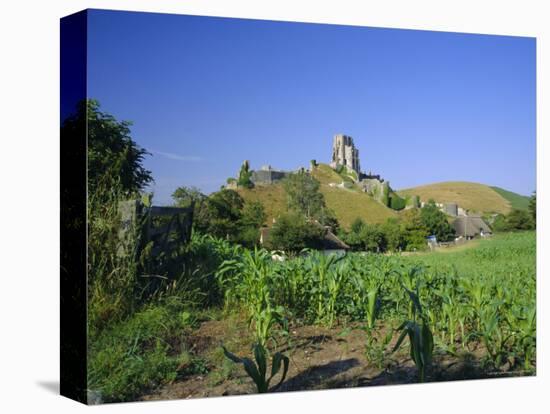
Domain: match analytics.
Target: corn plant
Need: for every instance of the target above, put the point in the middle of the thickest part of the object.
(326, 286)
(257, 369)
(250, 281)
(420, 336)
(526, 325)
(494, 334)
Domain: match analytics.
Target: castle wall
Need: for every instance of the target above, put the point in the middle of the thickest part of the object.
(267, 176)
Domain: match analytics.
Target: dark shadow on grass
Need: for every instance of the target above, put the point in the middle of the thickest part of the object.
(316, 375)
(465, 367)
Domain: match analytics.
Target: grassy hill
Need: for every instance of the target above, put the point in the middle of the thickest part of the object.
(471, 196)
(516, 200)
(347, 203)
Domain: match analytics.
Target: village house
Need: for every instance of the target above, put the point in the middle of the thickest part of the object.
(471, 226)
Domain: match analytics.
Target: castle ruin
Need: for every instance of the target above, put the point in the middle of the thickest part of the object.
(267, 175)
(344, 153)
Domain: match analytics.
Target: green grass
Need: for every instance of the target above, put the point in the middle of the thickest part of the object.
(517, 201)
(138, 353)
(471, 196)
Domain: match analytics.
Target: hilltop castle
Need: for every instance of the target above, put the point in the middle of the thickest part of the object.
(344, 153)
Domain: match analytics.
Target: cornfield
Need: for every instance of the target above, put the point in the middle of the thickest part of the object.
(484, 295)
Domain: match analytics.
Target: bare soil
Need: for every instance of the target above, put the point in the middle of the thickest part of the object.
(320, 358)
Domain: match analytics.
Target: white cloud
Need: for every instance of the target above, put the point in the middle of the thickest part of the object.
(178, 157)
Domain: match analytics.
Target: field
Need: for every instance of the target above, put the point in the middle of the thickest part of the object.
(471, 196)
(460, 314)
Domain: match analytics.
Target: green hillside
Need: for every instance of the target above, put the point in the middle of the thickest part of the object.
(516, 200)
(347, 203)
(471, 196)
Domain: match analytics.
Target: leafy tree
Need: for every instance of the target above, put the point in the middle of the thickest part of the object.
(393, 234)
(520, 220)
(327, 217)
(414, 230)
(396, 202)
(500, 224)
(292, 233)
(244, 176)
(303, 194)
(185, 196)
(533, 207)
(252, 219)
(373, 238)
(114, 158)
(353, 238)
(436, 222)
(220, 215)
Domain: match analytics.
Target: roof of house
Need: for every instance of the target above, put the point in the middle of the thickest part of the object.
(331, 242)
(470, 226)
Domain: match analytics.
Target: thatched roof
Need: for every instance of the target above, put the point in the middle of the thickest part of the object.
(470, 226)
(331, 242)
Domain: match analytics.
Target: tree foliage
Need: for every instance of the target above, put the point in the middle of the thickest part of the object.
(245, 175)
(223, 214)
(303, 194)
(114, 158)
(292, 233)
(533, 207)
(396, 202)
(516, 220)
(185, 196)
(436, 222)
(414, 230)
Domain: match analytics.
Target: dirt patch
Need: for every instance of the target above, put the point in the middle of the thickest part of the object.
(320, 358)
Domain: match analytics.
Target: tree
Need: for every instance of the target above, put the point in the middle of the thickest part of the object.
(396, 202)
(220, 215)
(353, 238)
(292, 233)
(373, 238)
(327, 217)
(414, 230)
(115, 160)
(393, 234)
(520, 220)
(303, 194)
(244, 176)
(185, 196)
(252, 219)
(533, 207)
(436, 222)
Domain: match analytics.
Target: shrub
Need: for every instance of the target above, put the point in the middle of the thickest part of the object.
(396, 202)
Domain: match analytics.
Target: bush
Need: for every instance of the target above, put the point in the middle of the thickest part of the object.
(514, 221)
(396, 202)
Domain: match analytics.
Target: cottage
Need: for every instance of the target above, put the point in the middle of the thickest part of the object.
(471, 226)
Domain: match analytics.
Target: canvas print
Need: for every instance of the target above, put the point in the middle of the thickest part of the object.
(258, 206)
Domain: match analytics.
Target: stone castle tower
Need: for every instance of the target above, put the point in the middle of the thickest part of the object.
(345, 153)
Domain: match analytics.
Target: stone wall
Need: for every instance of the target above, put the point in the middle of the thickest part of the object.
(260, 177)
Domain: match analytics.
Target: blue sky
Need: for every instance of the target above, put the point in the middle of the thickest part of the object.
(206, 93)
